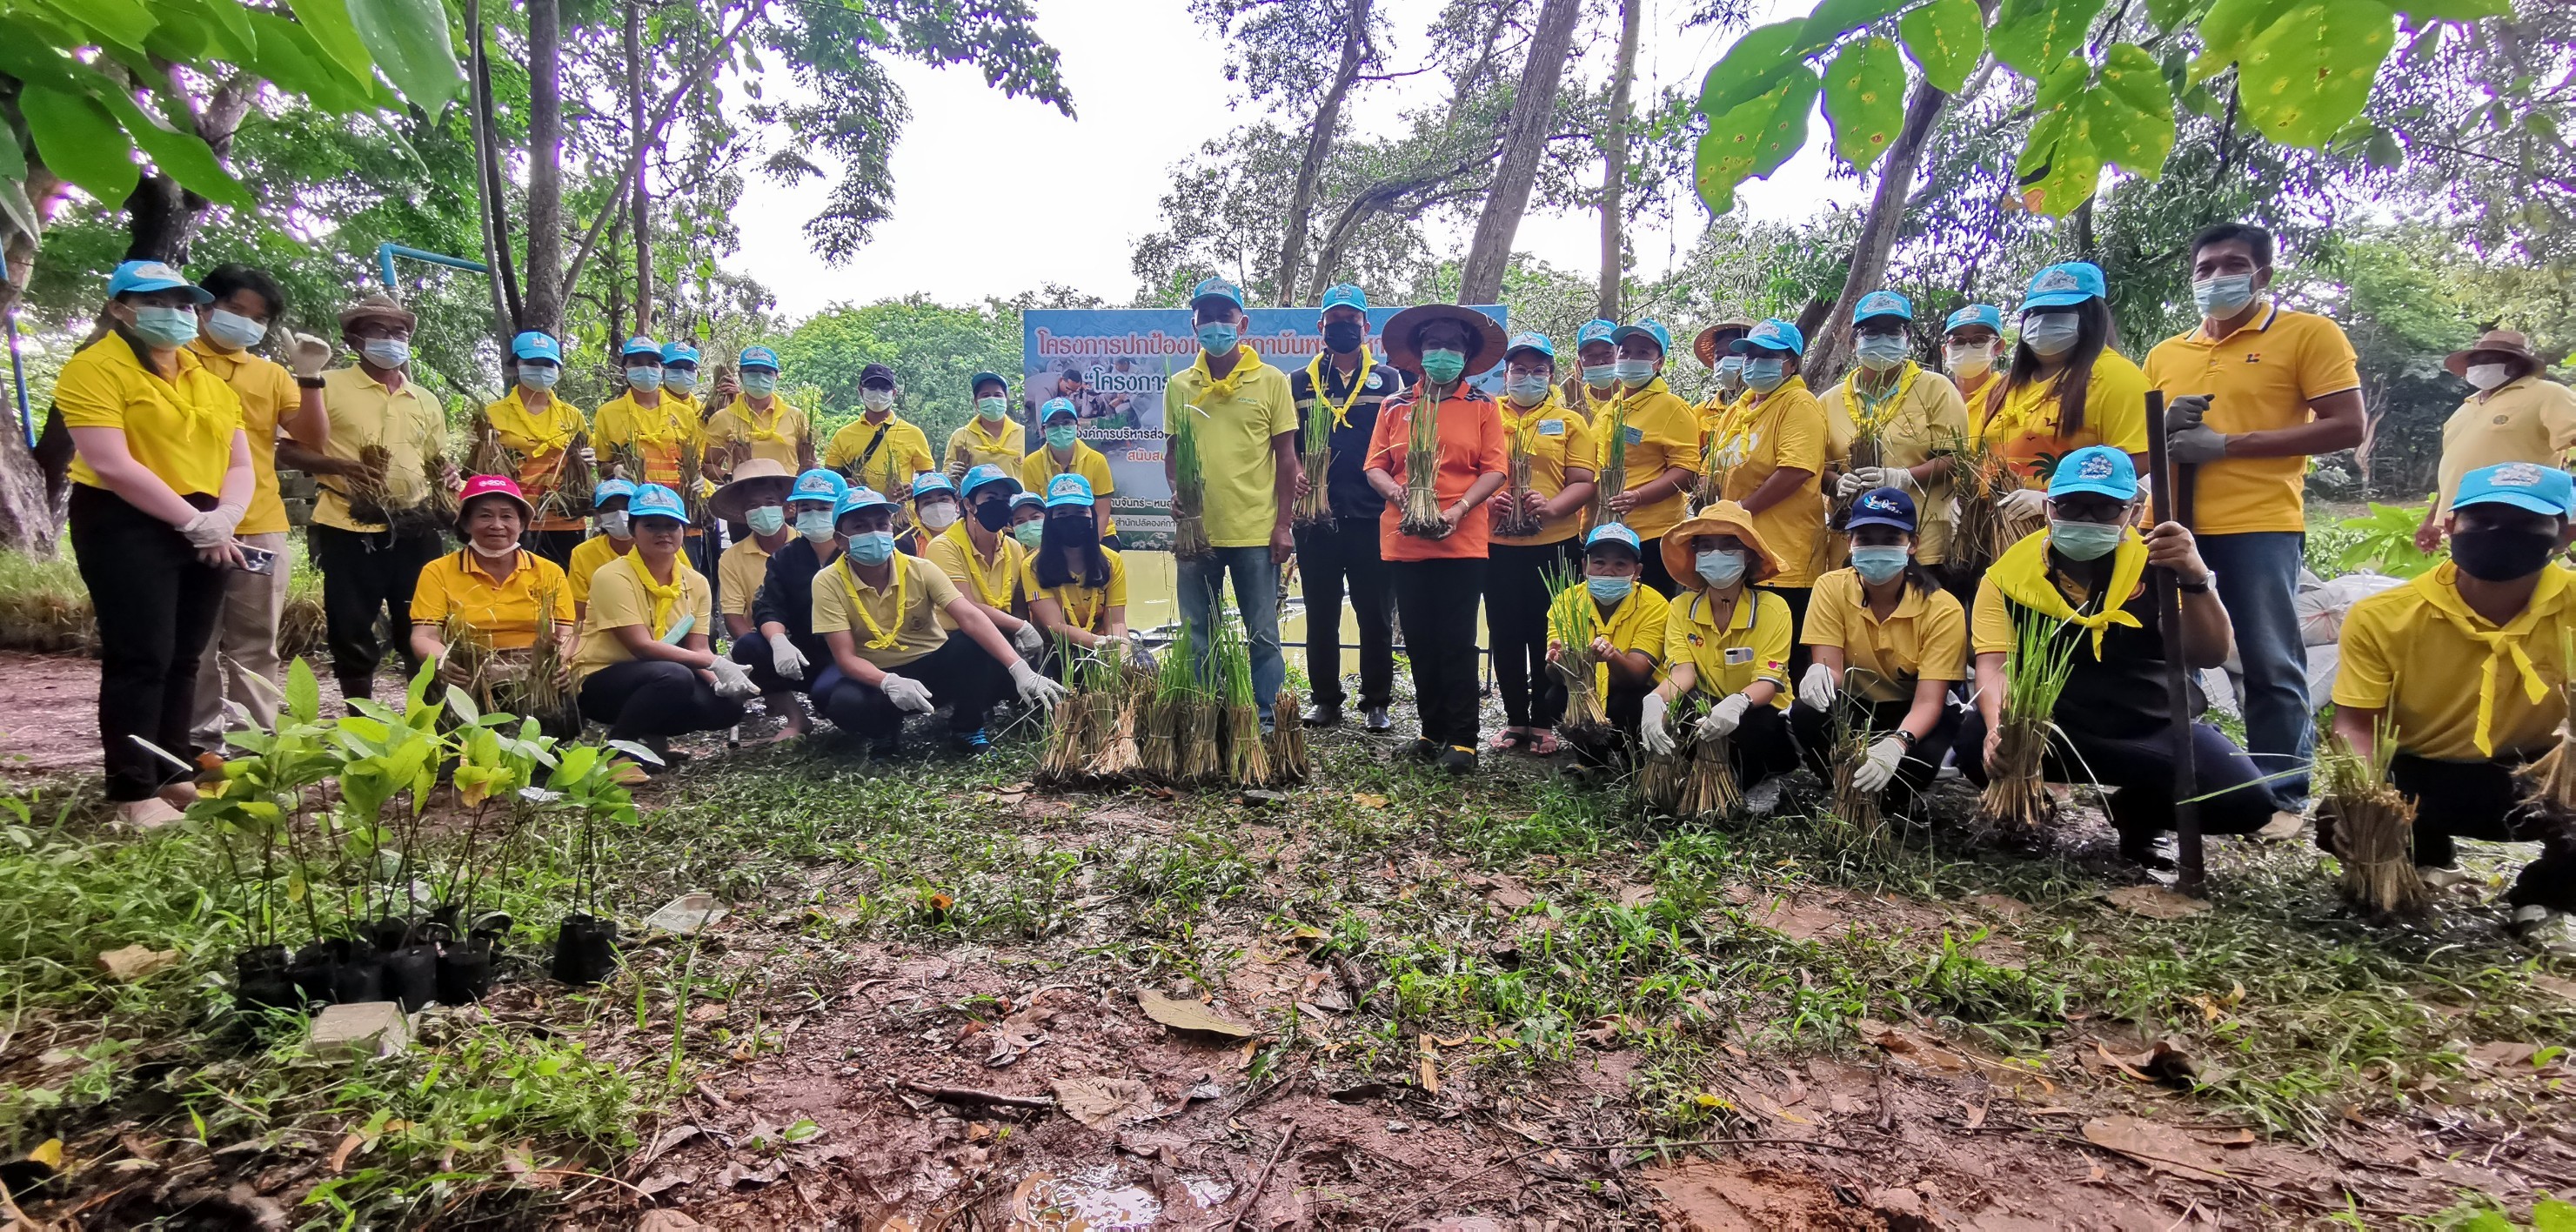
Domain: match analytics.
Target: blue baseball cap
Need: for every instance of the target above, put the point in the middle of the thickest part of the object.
(1613, 532)
(1068, 489)
(819, 484)
(928, 482)
(858, 498)
(976, 382)
(985, 473)
(1057, 406)
(652, 500)
(641, 345)
(609, 490)
(1531, 341)
(676, 352)
(1027, 499)
(1975, 314)
(758, 357)
(1771, 335)
(1650, 328)
(2067, 282)
(1217, 288)
(1884, 507)
(2098, 469)
(141, 276)
(536, 344)
(1344, 295)
(1882, 304)
(2523, 485)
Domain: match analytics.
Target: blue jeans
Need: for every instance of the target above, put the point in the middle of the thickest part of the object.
(1256, 593)
(2258, 580)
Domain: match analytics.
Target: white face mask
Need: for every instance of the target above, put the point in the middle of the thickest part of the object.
(1968, 358)
(939, 517)
(233, 331)
(2052, 334)
(503, 554)
(876, 399)
(2489, 376)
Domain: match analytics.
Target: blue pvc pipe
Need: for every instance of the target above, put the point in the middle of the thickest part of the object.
(18, 376)
(387, 251)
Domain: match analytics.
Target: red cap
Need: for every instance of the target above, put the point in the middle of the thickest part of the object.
(494, 485)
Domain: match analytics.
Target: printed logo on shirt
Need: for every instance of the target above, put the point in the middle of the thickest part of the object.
(1738, 656)
(1551, 427)
(2502, 420)
(2094, 466)
(1376, 379)
(2253, 357)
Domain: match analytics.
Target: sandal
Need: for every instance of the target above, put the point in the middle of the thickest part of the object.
(1506, 740)
(1543, 743)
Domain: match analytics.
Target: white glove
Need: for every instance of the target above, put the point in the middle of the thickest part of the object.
(1886, 477)
(2195, 445)
(1650, 725)
(786, 658)
(1029, 638)
(2023, 502)
(308, 355)
(733, 680)
(1878, 765)
(1724, 717)
(2185, 412)
(906, 693)
(1816, 689)
(1035, 690)
(1851, 484)
(212, 528)
(588, 456)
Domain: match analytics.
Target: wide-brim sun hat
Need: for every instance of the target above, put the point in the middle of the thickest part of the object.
(1484, 337)
(2507, 343)
(1705, 346)
(1722, 518)
(751, 479)
(377, 306)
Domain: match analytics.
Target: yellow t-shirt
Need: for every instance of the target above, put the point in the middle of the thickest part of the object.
(181, 430)
(2527, 420)
(921, 627)
(904, 453)
(1922, 418)
(657, 432)
(1040, 465)
(1556, 439)
(1638, 623)
(739, 573)
(504, 611)
(587, 556)
(363, 412)
(2024, 430)
(540, 439)
(1234, 430)
(618, 599)
(1753, 646)
(2260, 379)
(1925, 638)
(778, 434)
(988, 582)
(1780, 430)
(2419, 652)
(267, 392)
(973, 445)
(1662, 432)
(1085, 607)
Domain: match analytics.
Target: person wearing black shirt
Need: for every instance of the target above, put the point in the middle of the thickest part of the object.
(783, 651)
(1339, 554)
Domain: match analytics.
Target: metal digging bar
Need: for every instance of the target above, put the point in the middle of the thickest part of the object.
(2170, 496)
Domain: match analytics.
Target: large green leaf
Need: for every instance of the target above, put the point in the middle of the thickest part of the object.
(81, 142)
(290, 59)
(2308, 75)
(1753, 139)
(2131, 74)
(1754, 66)
(2229, 28)
(28, 52)
(2455, 10)
(2031, 36)
(182, 156)
(1787, 133)
(230, 17)
(129, 22)
(328, 22)
(1833, 19)
(410, 42)
(2169, 13)
(2065, 171)
(1946, 39)
(2134, 141)
(1865, 99)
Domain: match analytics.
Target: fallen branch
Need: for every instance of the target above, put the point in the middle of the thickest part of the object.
(1254, 1194)
(969, 1095)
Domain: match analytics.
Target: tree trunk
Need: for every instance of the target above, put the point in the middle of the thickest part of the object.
(162, 218)
(1524, 140)
(545, 167)
(509, 311)
(635, 76)
(1614, 158)
(1823, 362)
(31, 508)
(1319, 148)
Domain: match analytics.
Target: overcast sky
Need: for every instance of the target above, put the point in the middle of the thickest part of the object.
(994, 195)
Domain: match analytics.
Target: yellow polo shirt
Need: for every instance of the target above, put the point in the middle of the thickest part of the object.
(587, 556)
(618, 599)
(1638, 623)
(657, 432)
(1085, 607)
(1925, 638)
(1753, 646)
(1555, 439)
(2025, 430)
(504, 611)
(739, 574)
(1234, 431)
(2530, 419)
(363, 412)
(1040, 465)
(181, 430)
(779, 434)
(890, 469)
(2260, 378)
(1924, 417)
(972, 446)
(540, 438)
(919, 628)
(989, 582)
(2421, 653)
(1662, 432)
(1780, 430)
(266, 390)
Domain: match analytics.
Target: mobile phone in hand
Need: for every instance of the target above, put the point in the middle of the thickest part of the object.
(256, 560)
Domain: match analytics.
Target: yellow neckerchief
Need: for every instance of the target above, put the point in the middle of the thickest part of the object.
(511, 415)
(759, 431)
(2022, 575)
(2440, 589)
(975, 425)
(879, 637)
(1246, 361)
(664, 597)
(1736, 433)
(1010, 556)
(1888, 404)
(669, 430)
(1976, 392)
(1063, 596)
(1315, 381)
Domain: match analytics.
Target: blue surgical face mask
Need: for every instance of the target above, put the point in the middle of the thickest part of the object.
(2084, 540)
(872, 547)
(992, 409)
(1765, 374)
(162, 325)
(1219, 337)
(1528, 389)
(766, 520)
(1443, 366)
(644, 380)
(1634, 373)
(2223, 296)
(1879, 352)
(681, 381)
(1877, 565)
(1720, 567)
(1730, 371)
(815, 525)
(1599, 376)
(1609, 589)
(614, 524)
(539, 376)
(759, 383)
(1062, 436)
(234, 331)
(387, 352)
(2051, 334)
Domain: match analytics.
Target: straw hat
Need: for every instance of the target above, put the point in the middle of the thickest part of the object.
(1722, 518)
(1484, 338)
(2494, 342)
(379, 305)
(1705, 346)
(750, 479)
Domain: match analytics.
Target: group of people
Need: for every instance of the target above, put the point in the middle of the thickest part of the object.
(1746, 561)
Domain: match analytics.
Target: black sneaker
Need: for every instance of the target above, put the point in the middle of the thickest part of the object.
(970, 744)
(1419, 749)
(1377, 720)
(1458, 759)
(1321, 715)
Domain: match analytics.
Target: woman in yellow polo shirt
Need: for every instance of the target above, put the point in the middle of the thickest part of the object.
(1065, 453)
(992, 437)
(1627, 623)
(2066, 388)
(161, 476)
(495, 590)
(643, 666)
(1914, 420)
(538, 427)
(1772, 454)
(981, 556)
(1887, 640)
(1076, 584)
(1561, 452)
(1728, 639)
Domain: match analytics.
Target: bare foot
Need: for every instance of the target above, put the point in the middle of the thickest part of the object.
(180, 794)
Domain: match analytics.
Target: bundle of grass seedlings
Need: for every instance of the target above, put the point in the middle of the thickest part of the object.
(1317, 453)
(1247, 757)
(692, 485)
(1662, 781)
(369, 500)
(1165, 711)
(1110, 693)
(2553, 777)
(1867, 449)
(1518, 521)
(1709, 788)
(484, 452)
(1573, 621)
(1070, 739)
(1421, 471)
(1189, 488)
(1612, 478)
(1289, 761)
(1711, 487)
(2035, 672)
(546, 690)
(576, 482)
(1977, 478)
(1856, 812)
(2373, 828)
(627, 461)
(1199, 739)
(438, 494)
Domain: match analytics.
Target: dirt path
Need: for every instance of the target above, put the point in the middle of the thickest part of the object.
(49, 714)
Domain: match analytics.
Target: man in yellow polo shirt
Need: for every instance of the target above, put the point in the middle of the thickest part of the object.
(2464, 668)
(1064, 452)
(2251, 393)
(880, 449)
(2515, 414)
(246, 301)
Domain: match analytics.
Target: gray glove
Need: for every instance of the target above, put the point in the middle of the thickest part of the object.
(2023, 502)
(212, 528)
(1852, 484)
(1816, 688)
(1723, 718)
(733, 680)
(1034, 689)
(786, 658)
(1029, 638)
(1651, 729)
(2185, 412)
(906, 693)
(2195, 445)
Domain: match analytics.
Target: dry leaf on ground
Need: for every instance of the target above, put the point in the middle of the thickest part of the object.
(133, 962)
(2162, 1147)
(2155, 902)
(658, 1220)
(1189, 1016)
(1104, 1103)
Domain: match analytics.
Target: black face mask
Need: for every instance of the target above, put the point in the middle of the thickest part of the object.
(993, 515)
(2502, 554)
(1344, 336)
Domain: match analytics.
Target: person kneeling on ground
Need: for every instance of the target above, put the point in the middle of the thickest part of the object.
(643, 667)
(756, 500)
(1077, 587)
(616, 538)
(495, 591)
(983, 557)
(2497, 614)
(782, 650)
(880, 611)
(1884, 633)
(1728, 640)
(2085, 576)
(1627, 622)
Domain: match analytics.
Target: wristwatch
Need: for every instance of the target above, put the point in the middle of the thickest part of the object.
(308, 382)
(1904, 737)
(2202, 588)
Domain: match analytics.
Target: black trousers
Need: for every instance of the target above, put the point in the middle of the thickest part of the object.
(1436, 600)
(1796, 596)
(1333, 560)
(752, 651)
(1650, 568)
(554, 545)
(365, 574)
(2142, 770)
(959, 676)
(1617, 744)
(157, 606)
(2479, 799)
(1760, 746)
(1516, 600)
(1904, 794)
(647, 699)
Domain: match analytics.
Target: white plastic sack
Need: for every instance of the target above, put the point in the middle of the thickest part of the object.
(2321, 607)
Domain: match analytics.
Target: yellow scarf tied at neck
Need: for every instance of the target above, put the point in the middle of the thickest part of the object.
(664, 598)
(2022, 575)
(1883, 408)
(758, 430)
(879, 637)
(2504, 646)
(511, 416)
(1246, 361)
(1315, 381)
